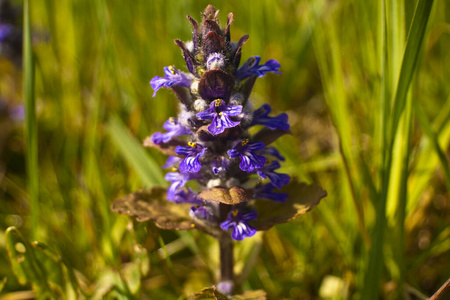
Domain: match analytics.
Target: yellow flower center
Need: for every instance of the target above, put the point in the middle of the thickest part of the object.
(193, 145)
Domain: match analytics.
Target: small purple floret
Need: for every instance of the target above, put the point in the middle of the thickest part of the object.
(249, 159)
(261, 117)
(173, 129)
(238, 221)
(220, 113)
(173, 77)
(251, 67)
(190, 163)
(266, 192)
(277, 179)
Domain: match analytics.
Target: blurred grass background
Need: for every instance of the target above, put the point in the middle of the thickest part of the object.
(340, 61)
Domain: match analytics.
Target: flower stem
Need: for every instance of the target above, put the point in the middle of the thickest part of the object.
(226, 284)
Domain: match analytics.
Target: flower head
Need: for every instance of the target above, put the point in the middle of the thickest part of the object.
(249, 159)
(220, 115)
(173, 77)
(238, 221)
(252, 67)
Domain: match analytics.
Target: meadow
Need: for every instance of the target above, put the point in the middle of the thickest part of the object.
(365, 85)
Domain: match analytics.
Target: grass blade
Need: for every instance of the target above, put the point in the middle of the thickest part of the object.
(148, 170)
(30, 120)
(409, 63)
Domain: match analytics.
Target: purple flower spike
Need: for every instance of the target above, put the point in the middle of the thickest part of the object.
(249, 159)
(238, 221)
(278, 180)
(220, 113)
(261, 117)
(266, 192)
(251, 67)
(190, 163)
(173, 129)
(173, 77)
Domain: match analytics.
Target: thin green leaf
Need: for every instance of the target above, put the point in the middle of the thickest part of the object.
(148, 170)
(30, 120)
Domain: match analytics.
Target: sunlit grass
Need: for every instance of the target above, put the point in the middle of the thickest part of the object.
(365, 85)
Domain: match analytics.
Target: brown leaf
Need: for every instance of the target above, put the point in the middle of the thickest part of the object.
(302, 198)
(209, 293)
(232, 196)
(153, 205)
(166, 148)
(212, 293)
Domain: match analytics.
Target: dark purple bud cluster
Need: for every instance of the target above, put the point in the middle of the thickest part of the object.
(218, 152)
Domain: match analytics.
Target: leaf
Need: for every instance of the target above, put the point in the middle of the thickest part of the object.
(35, 263)
(144, 165)
(209, 293)
(153, 205)
(232, 196)
(50, 262)
(302, 198)
(212, 293)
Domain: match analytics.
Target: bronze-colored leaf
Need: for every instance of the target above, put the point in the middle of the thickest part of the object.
(232, 196)
(302, 198)
(166, 148)
(268, 136)
(153, 205)
(209, 293)
(213, 294)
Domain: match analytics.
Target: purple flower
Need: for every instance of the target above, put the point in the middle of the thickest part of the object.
(171, 161)
(202, 213)
(178, 181)
(251, 67)
(272, 151)
(173, 129)
(219, 165)
(173, 77)
(187, 196)
(261, 117)
(266, 192)
(249, 159)
(190, 163)
(220, 113)
(238, 221)
(278, 180)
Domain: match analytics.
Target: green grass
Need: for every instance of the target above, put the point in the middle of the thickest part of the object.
(365, 84)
